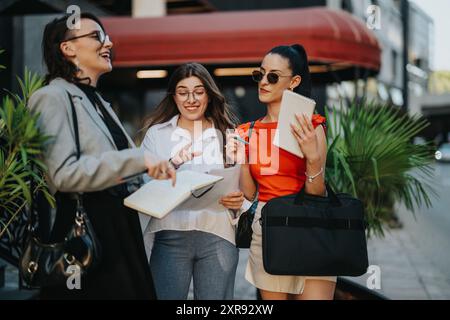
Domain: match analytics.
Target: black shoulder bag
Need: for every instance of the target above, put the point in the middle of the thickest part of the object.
(43, 264)
(244, 229)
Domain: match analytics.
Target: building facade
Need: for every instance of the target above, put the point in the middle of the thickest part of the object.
(134, 98)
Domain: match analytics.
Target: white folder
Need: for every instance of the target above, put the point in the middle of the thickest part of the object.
(291, 104)
(158, 197)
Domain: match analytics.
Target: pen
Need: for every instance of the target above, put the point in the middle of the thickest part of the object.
(241, 140)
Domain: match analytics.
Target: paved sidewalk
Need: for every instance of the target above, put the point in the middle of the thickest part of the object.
(407, 267)
(406, 271)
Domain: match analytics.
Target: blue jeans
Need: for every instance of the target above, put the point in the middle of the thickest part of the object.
(179, 256)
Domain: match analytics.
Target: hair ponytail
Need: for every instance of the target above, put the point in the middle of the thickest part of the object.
(298, 62)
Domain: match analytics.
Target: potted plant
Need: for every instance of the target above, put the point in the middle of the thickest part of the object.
(372, 157)
(21, 146)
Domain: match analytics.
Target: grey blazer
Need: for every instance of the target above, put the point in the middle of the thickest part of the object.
(101, 165)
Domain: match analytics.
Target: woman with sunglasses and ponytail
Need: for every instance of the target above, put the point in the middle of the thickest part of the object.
(75, 59)
(277, 172)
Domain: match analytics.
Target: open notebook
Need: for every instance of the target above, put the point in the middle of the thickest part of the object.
(158, 197)
(292, 103)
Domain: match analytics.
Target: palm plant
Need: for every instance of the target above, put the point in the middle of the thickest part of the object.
(21, 145)
(371, 156)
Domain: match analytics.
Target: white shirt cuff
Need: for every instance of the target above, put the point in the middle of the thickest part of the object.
(235, 219)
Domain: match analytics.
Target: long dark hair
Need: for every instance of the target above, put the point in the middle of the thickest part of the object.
(218, 110)
(56, 32)
(298, 62)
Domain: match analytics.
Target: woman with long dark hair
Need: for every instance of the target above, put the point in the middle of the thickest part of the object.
(188, 127)
(283, 68)
(75, 60)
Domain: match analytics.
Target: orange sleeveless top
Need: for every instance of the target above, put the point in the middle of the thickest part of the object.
(276, 171)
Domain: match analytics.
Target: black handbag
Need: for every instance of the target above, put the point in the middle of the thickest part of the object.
(309, 235)
(44, 264)
(244, 228)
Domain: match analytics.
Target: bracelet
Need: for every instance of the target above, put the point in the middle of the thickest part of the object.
(174, 165)
(311, 178)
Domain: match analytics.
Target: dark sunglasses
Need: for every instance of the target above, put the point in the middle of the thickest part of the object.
(272, 77)
(98, 35)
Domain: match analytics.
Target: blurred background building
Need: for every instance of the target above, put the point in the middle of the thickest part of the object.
(158, 35)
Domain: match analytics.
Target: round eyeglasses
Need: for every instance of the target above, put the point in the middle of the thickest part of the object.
(183, 95)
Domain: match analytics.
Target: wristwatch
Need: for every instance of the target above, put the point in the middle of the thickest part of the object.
(174, 165)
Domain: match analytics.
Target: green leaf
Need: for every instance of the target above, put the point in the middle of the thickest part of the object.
(4, 228)
(24, 155)
(24, 187)
(375, 169)
(22, 143)
(371, 156)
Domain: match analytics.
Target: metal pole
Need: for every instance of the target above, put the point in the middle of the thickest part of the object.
(405, 24)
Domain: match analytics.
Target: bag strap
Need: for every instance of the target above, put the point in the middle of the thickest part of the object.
(254, 205)
(250, 130)
(33, 206)
(78, 195)
(308, 222)
(75, 125)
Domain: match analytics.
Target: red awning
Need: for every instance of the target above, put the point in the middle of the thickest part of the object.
(329, 36)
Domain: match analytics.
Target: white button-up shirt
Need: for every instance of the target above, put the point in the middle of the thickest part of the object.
(164, 141)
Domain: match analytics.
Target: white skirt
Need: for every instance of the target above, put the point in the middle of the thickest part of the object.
(257, 276)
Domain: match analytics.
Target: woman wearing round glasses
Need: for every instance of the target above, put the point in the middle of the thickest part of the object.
(196, 243)
(75, 60)
(283, 68)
